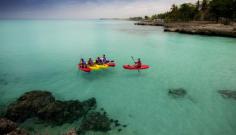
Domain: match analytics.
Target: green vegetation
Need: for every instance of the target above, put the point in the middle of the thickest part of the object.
(205, 10)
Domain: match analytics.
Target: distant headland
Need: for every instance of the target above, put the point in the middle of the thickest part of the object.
(206, 17)
(114, 19)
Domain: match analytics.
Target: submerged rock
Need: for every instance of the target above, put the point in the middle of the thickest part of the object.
(6, 126)
(180, 92)
(28, 105)
(89, 104)
(10, 128)
(43, 105)
(96, 121)
(18, 131)
(71, 132)
(228, 93)
(60, 112)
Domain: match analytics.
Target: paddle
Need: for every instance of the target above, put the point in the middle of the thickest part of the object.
(110, 61)
(134, 61)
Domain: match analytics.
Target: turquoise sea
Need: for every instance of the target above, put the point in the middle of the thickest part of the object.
(43, 54)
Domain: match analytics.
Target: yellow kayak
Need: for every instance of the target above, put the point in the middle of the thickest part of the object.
(103, 66)
(94, 67)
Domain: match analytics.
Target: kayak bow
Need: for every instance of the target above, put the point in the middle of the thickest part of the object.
(86, 69)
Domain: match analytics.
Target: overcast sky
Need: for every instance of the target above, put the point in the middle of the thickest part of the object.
(83, 8)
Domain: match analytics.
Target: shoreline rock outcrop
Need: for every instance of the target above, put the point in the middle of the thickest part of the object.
(196, 27)
(202, 28)
(151, 23)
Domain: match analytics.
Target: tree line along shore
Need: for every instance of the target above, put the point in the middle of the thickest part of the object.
(206, 17)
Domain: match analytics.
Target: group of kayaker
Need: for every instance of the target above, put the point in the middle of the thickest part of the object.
(90, 62)
(103, 60)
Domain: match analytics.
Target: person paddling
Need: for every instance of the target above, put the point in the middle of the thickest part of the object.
(98, 61)
(82, 63)
(104, 59)
(138, 63)
(90, 62)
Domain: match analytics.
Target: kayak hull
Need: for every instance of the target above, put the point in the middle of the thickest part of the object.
(133, 67)
(103, 66)
(97, 67)
(111, 64)
(84, 69)
(94, 67)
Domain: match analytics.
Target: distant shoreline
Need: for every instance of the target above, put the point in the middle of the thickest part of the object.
(209, 28)
(127, 19)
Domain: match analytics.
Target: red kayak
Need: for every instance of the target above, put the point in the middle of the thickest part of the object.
(133, 67)
(86, 69)
(111, 64)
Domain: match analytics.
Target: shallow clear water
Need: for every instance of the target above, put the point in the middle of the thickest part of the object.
(43, 55)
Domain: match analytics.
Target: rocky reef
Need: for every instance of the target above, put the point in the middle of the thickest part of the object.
(28, 105)
(228, 93)
(194, 27)
(180, 92)
(95, 121)
(71, 132)
(44, 106)
(151, 23)
(202, 28)
(8, 127)
(99, 121)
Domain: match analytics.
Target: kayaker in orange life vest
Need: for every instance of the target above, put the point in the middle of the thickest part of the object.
(138, 63)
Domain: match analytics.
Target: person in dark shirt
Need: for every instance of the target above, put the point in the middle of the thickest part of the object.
(90, 62)
(138, 63)
(82, 63)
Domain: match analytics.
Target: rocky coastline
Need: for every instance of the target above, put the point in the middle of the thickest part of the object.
(195, 27)
(44, 106)
(150, 23)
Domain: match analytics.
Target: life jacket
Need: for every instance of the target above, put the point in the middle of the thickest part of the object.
(138, 63)
(98, 61)
(83, 62)
(104, 60)
(90, 62)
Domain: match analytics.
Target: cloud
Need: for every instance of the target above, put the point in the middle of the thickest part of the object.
(90, 8)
